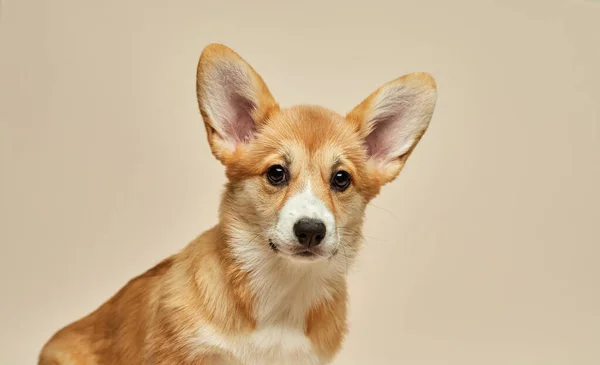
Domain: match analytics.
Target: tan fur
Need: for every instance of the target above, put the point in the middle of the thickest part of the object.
(156, 317)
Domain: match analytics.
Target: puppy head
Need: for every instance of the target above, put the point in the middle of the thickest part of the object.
(300, 178)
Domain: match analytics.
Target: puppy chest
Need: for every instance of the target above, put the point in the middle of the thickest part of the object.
(266, 346)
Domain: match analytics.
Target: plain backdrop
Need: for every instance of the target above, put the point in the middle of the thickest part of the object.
(485, 250)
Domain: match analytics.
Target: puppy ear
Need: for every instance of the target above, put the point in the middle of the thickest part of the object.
(234, 100)
(393, 119)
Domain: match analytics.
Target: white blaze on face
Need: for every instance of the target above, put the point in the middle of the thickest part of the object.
(304, 205)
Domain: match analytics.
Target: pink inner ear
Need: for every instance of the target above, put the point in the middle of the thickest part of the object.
(241, 127)
(384, 138)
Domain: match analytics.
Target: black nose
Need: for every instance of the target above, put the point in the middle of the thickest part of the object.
(310, 232)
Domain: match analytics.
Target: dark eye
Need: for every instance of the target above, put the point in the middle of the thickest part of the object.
(340, 180)
(277, 175)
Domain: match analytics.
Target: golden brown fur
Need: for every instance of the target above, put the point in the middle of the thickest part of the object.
(216, 282)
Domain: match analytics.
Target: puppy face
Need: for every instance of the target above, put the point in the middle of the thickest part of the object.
(306, 180)
(300, 178)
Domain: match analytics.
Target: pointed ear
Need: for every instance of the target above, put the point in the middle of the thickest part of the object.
(393, 119)
(234, 100)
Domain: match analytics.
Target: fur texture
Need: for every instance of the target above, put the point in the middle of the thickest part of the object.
(246, 291)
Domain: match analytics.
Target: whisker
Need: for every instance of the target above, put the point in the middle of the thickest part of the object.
(384, 209)
(345, 257)
(253, 238)
(358, 233)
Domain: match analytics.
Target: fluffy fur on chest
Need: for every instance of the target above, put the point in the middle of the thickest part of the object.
(267, 311)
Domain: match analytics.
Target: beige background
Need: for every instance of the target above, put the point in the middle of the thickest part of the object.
(485, 251)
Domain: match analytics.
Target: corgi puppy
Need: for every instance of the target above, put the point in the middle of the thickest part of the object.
(267, 284)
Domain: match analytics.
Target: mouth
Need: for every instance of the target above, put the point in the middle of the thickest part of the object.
(298, 254)
(305, 254)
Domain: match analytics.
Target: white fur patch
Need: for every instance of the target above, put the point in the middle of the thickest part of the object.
(272, 345)
(304, 205)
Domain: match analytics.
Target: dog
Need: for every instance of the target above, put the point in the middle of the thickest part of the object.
(267, 284)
